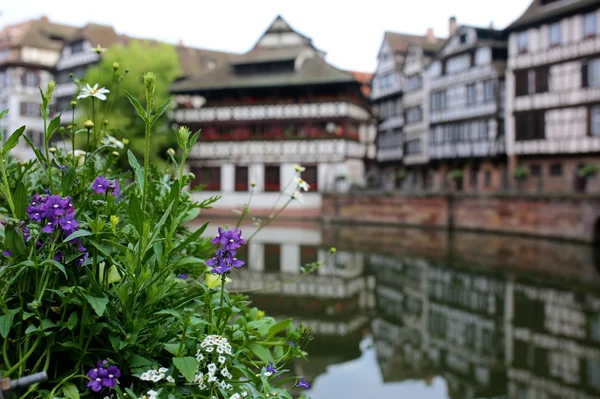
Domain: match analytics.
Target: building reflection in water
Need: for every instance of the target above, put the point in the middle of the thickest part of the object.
(423, 314)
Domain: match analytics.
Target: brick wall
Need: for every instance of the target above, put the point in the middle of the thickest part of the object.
(565, 217)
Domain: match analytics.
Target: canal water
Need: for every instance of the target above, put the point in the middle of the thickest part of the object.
(414, 313)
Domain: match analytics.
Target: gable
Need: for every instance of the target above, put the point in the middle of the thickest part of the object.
(414, 61)
(462, 39)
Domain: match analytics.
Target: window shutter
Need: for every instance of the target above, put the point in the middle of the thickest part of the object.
(584, 73)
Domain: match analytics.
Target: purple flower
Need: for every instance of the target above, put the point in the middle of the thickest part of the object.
(103, 376)
(272, 369)
(115, 188)
(49, 227)
(225, 259)
(183, 276)
(82, 260)
(230, 239)
(7, 253)
(100, 185)
(58, 256)
(303, 383)
(291, 343)
(79, 244)
(68, 223)
(54, 206)
(61, 167)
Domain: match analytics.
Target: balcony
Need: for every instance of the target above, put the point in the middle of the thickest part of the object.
(262, 133)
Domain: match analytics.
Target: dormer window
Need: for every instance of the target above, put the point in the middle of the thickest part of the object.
(463, 38)
(522, 42)
(589, 25)
(76, 47)
(555, 36)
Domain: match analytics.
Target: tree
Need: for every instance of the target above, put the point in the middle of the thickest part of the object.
(130, 63)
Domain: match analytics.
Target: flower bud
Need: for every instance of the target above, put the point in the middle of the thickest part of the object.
(191, 176)
(71, 75)
(73, 104)
(53, 149)
(332, 250)
(114, 220)
(299, 168)
(184, 133)
(150, 83)
(253, 184)
(98, 49)
(49, 90)
(126, 71)
(98, 203)
(70, 127)
(88, 124)
(125, 141)
(115, 66)
(115, 153)
(105, 122)
(171, 151)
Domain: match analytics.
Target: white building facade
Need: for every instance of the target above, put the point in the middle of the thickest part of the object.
(553, 90)
(466, 111)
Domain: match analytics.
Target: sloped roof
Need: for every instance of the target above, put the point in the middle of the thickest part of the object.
(98, 35)
(313, 71)
(310, 70)
(195, 61)
(364, 78)
(400, 42)
(537, 13)
(38, 33)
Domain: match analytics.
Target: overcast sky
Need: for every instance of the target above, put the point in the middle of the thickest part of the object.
(349, 31)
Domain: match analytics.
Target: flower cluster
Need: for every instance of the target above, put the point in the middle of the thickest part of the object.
(213, 359)
(225, 260)
(157, 375)
(53, 211)
(103, 376)
(101, 185)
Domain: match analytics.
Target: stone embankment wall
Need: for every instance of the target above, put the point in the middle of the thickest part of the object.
(572, 217)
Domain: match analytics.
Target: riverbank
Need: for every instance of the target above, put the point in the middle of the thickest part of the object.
(565, 217)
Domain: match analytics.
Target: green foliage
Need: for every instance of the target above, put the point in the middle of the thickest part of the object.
(400, 175)
(587, 170)
(123, 121)
(521, 173)
(110, 288)
(455, 174)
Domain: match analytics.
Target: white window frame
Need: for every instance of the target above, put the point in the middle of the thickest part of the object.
(488, 90)
(523, 42)
(471, 94)
(593, 73)
(595, 120)
(590, 20)
(30, 79)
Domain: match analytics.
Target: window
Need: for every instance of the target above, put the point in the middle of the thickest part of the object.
(272, 182)
(458, 64)
(209, 176)
(555, 34)
(438, 100)
(272, 258)
(529, 125)
(595, 120)
(535, 170)
(593, 74)
(488, 90)
(310, 175)
(4, 54)
(30, 109)
(487, 179)
(308, 254)
(463, 38)
(413, 147)
(414, 82)
(241, 178)
(522, 42)
(589, 24)
(542, 76)
(530, 81)
(31, 79)
(556, 169)
(471, 94)
(77, 47)
(414, 114)
(521, 82)
(386, 81)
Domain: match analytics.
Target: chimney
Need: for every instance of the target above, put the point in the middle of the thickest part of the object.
(452, 26)
(430, 36)
(180, 43)
(44, 18)
(492, 25)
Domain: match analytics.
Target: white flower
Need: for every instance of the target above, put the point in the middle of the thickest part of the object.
(221, 359)
(89, 91)
(267, 374)
(297, 196)
(145, 376)
(152, 394)
(199, 378)
(163, 370)
(210, 349)
(301, 184)
(212, 378)
(225, 385)
(202, 386)
(225, 373)
(244, 394)
(113, 142)
(212, 368)
(170, 378)
(157, 377)
(236, 396)
(299, 168)
(199, 357)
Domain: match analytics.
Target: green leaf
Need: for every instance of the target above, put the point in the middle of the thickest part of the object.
(261, 352)
(189, 260)
(138, 107)
(172, 348)
(137, 361)
(77, 234)
(98, 304)
(278, 327)
(36, 151)
(139, 171)
(15, 242)
(56, 264)
(47, 324)
(20, 201)
(160, 110)
(72, 322)
(135, 213)
(191, 238)
(54, 124)
(263, 325)
(191, 215)
(13, 140)
(193, 140)
(3, 113)
(31, 329)
(68, 181)
(187, 366)
(70, 391)
(6, 322)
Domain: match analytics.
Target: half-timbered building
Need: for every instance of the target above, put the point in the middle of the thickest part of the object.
(28, 54)
(278, 105)
(466, 111)
(389, 84)
(553, 90)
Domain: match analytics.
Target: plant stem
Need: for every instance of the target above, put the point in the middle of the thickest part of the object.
(46, 142)
(94, 121)
(24, 358)
(73, 136)
(146, 162)
(246, 208)
(269, 220)
(9, 197)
